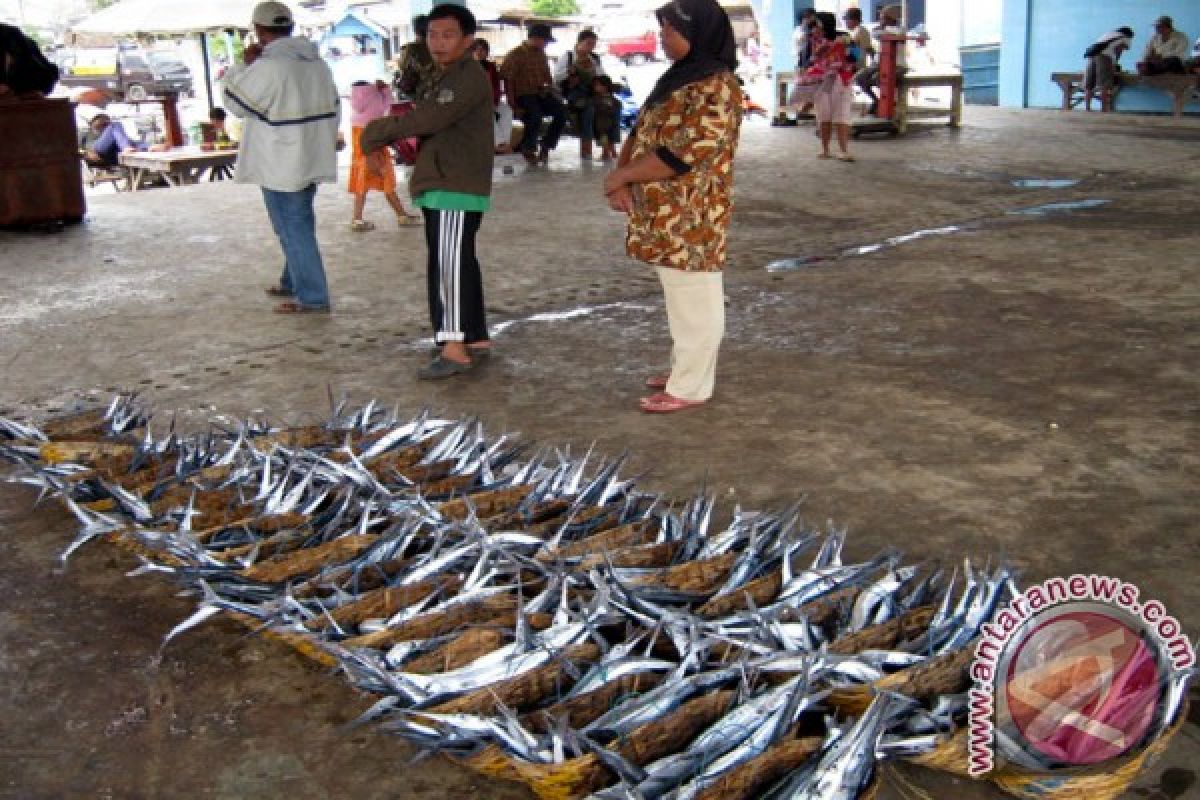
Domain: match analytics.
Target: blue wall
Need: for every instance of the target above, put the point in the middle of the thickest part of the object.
(778, 19)
(1045, 36)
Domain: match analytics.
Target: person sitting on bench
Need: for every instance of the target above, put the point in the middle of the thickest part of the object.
(1100, 72)
(1193, 63)
(1165, 51)
(868, 77)
(104, 142)
(526, 73)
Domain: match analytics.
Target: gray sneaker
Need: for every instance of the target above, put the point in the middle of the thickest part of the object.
(442, 368)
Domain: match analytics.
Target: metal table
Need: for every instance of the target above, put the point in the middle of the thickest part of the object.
(179, 165)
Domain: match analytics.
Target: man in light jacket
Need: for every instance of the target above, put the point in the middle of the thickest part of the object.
(289, 104)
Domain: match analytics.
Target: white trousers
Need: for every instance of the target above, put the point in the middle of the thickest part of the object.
(696, 319)
(503, 126)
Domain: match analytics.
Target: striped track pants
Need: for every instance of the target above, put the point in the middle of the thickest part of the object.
(454, 280)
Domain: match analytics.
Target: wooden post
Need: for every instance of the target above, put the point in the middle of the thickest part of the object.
(204, 57)
(889, 45)
(174, 132)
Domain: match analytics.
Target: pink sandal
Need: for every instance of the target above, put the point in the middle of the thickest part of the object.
(663, 403)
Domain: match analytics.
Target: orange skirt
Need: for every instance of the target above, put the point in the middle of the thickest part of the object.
(361, 179)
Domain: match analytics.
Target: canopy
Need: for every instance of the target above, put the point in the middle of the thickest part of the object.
(177, 17)
(173, 17)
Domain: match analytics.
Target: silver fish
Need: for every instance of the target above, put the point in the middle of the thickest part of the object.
(847, 763)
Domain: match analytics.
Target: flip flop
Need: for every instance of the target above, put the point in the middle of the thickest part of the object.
(845, 157)
(362, 226)
(658, 381)
(410, 220)
(824, 155)
(292, 307)
(278, 291)
(664, 403)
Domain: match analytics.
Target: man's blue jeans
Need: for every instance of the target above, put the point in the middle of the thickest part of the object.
(112, 142)
(295, 224)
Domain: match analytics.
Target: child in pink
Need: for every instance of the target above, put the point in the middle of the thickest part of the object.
(367, 102)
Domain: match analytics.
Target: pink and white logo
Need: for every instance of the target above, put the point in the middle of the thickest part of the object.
(1081, 687)
(1075, 671)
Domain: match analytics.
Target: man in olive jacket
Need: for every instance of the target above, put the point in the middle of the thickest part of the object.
(451, 183)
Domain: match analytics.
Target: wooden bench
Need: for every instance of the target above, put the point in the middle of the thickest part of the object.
(784, 83)
(93, 175)
(904, 110)
(916, 80)
(1179, 87)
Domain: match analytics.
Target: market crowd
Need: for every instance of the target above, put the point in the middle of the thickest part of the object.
(672, 177)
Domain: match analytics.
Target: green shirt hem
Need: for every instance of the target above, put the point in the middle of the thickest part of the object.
(444, 200)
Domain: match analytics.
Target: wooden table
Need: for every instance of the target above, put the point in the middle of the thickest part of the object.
(179, 165)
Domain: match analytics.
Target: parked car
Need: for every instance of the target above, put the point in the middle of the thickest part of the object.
(170, 67)
(129, 75)
(634, 41)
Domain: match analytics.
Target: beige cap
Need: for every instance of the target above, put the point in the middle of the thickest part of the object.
(272, 15)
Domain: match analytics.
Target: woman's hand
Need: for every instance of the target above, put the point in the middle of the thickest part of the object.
(621, 200)
(377, 161)
(615, 180)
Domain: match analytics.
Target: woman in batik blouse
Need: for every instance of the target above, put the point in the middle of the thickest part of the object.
(674, 179)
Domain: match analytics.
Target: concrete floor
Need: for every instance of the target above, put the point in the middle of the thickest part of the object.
(1025, 387)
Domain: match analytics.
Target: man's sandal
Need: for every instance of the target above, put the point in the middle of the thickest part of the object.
(292, 307)
(278, 291)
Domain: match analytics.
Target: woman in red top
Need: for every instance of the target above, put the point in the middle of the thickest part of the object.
(832, 72)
